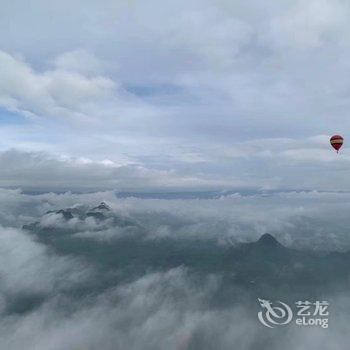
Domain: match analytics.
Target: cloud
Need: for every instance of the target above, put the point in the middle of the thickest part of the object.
(45, 170)
(279, 163)
(216, 67)
(219, 96)
(151, 97)
(28, 267)
(85, 305)
(307, 26)
(58, 92)
(79, 61)
(169, 309)
(156, 311)
(314, 220)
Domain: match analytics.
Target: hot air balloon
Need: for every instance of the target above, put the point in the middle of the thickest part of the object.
(336, 142)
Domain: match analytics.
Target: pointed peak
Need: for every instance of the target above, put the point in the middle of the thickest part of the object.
(268, 240)
(102, 206)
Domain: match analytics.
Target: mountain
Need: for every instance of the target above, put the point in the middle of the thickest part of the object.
(266, 267)
(70, 220)
(101, 207)
(268, 240)
(263, 267)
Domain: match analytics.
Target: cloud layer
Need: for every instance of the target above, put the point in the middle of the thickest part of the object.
(314, 220)
(57, 296)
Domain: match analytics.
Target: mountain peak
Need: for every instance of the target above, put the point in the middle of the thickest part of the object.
(268, 240)
(102, 206)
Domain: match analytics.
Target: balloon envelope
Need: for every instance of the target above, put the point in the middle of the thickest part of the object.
(336, 142)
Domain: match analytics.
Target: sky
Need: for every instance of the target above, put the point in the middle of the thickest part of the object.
(180, 95)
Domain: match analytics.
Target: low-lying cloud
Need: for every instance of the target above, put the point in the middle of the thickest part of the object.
(64, 287)
(316, 220)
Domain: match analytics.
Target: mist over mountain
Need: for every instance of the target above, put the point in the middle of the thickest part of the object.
(98, 271)
(259, 266)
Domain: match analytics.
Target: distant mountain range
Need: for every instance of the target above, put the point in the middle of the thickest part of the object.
(101, 214)
(264, 267)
